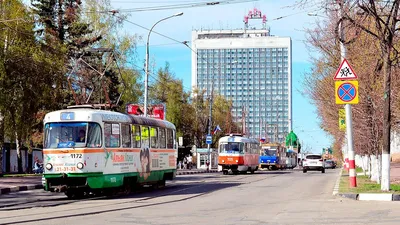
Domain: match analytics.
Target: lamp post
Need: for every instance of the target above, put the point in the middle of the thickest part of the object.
(146, 80)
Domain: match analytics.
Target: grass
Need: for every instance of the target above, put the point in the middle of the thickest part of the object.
(359, 170)
(364, 185)
(21, 175)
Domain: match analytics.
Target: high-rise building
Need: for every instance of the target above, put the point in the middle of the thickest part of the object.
(253, 69)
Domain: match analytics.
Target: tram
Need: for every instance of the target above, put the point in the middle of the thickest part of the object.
(87, 149)
(272, 156)
(238, 154)
(291, 159)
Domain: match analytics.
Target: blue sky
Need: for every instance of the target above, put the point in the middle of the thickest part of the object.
(292, 24)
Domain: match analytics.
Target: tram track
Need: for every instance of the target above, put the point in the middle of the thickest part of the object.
(66, 201)
(223, 182)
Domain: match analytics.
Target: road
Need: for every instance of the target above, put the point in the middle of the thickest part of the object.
(282, 197)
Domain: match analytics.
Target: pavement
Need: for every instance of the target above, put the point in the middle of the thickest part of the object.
(290, 197)
(24, 183)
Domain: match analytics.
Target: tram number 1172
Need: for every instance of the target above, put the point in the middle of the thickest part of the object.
(76, 156)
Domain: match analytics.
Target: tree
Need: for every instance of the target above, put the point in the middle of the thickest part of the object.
(169, 91)
(117, 49)
(377, 20)
(385, 17)
(26, 75)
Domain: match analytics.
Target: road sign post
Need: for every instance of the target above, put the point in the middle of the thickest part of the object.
(346, 92)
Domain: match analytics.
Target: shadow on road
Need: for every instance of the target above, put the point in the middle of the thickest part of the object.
(183, 193)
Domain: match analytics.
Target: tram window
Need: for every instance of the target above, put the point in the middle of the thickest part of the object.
(145, 136)
(126, 135)
(61, 135)
(170, 138)
(136, 136)
(162, 138)
(94, 136)
(111, 135)
(153, 137)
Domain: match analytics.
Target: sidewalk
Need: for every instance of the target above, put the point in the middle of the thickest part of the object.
(15, 184)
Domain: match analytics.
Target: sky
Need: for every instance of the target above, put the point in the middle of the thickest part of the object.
(292, 23)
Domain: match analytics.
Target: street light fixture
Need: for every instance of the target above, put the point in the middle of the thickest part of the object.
(146, 80)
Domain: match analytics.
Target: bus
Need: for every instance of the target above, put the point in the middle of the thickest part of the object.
(93, 150)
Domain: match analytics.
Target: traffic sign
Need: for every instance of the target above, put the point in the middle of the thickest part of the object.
(342, 119)
(346, 92)
(209, 139)
(345, 72)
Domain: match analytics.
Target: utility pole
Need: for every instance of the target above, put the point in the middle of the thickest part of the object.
(349, 122)
(209, 123)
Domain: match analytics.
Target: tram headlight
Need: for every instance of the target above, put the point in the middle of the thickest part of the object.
(49, 166)
(237, 160)
(223, 161)
(79, 165)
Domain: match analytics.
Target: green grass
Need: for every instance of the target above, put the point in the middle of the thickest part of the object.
(359, 170)
(21, 175)
(364, 185)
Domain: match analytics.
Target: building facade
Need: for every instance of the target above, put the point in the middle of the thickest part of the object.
(251, 68)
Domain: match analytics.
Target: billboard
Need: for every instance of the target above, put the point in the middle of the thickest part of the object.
(153, 111)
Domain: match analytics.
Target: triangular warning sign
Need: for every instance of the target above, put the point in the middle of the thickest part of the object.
(345, 72)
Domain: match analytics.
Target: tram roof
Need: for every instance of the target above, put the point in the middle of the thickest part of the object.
(238, 139)
(96, 115)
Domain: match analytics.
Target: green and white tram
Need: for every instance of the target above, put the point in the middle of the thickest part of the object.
(89, 150)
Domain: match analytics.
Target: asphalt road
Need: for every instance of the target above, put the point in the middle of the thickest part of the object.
(282, 197)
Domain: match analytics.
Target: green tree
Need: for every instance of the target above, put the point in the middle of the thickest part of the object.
(25, 75)
(119, 77)
(169, 91)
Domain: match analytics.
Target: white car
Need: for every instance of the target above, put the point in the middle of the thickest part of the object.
(313, 162)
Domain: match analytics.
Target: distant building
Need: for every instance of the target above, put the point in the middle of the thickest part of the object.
(252, 68)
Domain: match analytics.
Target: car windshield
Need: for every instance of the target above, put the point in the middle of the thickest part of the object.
(268, 152)
(231, 147)
(313, 157)
(68, 135)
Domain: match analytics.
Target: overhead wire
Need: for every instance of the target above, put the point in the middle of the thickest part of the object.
(166, 7)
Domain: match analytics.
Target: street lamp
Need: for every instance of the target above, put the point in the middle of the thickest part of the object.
(146, 80)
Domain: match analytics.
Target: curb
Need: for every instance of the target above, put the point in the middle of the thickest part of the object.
(20, 188)
(336, 188)
(371, 196)
(195, 172)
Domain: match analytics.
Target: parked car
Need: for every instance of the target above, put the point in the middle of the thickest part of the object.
(313, 162)
(330, 164)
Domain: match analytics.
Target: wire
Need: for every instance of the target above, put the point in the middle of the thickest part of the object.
(147, 29)
(165, 7)
(152, 2)
(185, 5)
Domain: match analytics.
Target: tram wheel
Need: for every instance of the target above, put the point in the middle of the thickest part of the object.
(161, 183)
(74, 194)
(252, 171)
(225, 172)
